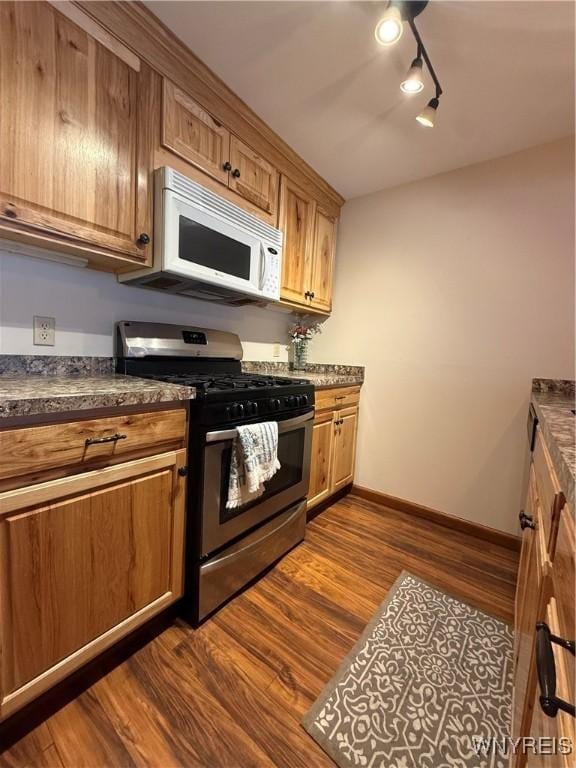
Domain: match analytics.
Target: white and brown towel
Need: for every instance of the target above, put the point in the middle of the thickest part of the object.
(254, 461)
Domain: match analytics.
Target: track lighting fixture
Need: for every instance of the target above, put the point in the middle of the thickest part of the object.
(413, 82)
(428, 114)
(389, 31)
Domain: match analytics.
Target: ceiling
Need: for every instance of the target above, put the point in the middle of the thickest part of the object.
(314, 72)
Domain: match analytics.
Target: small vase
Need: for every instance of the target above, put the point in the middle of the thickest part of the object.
(300, 355)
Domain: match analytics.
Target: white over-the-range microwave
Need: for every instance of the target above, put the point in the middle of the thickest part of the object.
(207, 247)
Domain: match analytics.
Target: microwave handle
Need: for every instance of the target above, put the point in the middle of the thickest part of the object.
(264, 262)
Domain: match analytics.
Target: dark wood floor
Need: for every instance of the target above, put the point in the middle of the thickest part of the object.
(232, 693)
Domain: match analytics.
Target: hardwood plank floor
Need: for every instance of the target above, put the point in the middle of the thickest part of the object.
(233, 692)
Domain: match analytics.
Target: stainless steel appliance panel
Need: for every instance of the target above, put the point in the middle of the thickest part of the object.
(220, 526)
(230, 570)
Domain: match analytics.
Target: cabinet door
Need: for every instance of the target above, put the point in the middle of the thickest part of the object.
(345, 428)
(555, 735)
(252, 177)
(323, 261)
(189, 131)
(71, 162)
(84, 561)
(321, 459)
(532, 595)
(297, 211)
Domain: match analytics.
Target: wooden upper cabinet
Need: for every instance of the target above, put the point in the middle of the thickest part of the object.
(189, 131)
(323, 261)
(309, 245)
(199, 138)
(74, 167)
(297, 210)
(253, 177)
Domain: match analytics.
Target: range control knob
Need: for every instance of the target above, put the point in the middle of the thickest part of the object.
(291, 401)
(251, 409)
(304, 400)
(275, 404)
(237, 410)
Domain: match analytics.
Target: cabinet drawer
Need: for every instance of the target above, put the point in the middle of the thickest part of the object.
(76, 445)
(557, 733)
(337, 398)
(548, 490)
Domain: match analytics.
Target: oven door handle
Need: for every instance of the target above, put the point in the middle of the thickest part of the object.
(283, 426)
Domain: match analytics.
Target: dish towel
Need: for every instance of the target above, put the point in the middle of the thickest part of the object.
(254, 461)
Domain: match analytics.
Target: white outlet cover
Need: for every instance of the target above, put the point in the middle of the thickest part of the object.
(44, 331)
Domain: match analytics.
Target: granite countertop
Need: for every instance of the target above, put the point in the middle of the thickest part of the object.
(553, 402)
(34, 385)
(39, 395)
(320, 374)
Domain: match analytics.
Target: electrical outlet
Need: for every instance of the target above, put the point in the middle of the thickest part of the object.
(44, 331)
(276, 350)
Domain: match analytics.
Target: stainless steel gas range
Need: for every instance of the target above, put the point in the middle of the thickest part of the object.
(227, 548)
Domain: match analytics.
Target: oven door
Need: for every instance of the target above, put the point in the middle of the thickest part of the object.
(289, 484)
(201, 245)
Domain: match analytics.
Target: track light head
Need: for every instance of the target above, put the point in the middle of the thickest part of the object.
(413, 82)
(428, 114)
(389, 29)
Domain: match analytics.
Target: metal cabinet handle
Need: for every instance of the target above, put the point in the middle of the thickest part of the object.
(307, 295)
(143, 239)
(546, 667)
(236, 173)
(312, 294)
(227, 166)
(107, 439)
(526, 521)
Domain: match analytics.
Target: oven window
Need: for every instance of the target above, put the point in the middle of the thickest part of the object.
(204, 246)
(291, 458)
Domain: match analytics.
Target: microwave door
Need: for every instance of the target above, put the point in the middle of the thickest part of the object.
(200, 245)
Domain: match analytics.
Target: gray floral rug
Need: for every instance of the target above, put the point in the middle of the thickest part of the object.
(428, 679)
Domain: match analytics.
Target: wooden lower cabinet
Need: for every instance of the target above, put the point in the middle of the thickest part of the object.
(555, 736)
(545, 593)
(321, 461)
(346, 425)
(333, 443)
(531, 596)
(85, 560)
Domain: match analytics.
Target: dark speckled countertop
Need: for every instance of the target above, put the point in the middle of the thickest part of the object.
(38, 385)
(320, 374)
(40, 395)
(553, 402)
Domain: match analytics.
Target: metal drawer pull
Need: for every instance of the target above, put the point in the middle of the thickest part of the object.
(526, 521)
(108, 439)
(546, 668)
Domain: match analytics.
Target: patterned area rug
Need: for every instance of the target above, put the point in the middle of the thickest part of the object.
(428, 677)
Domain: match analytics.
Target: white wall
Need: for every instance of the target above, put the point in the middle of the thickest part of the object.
(86, 304)
(454, 292)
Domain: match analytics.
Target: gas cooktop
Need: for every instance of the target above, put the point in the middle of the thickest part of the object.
(210, 362)
(205, 383)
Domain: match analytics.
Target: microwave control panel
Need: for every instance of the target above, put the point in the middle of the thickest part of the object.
(271, 283)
